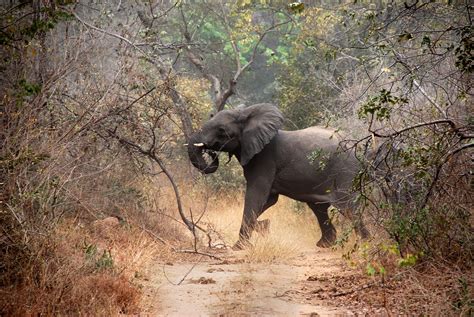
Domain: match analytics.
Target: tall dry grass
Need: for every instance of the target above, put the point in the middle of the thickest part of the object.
(292, 230)
(82, 269)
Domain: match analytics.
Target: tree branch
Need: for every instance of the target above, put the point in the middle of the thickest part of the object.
(399, 59)
(165, 72)
(221, 95)
(422, 124)
(150, 153)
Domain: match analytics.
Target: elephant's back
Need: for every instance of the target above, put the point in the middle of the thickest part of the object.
(310, 162)
(309, 139)
(307, 151)
(321, 132)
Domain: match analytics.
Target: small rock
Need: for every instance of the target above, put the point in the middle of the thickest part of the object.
(215, 270)
(316, 291)
(203, 280)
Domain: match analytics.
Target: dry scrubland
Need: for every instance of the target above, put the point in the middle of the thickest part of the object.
(104, 267)
(98, 98)
(97, 266)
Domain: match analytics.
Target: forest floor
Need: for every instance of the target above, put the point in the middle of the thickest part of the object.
(303, 285)
(283, 273)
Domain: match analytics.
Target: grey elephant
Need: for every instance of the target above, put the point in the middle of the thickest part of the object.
(306, 165)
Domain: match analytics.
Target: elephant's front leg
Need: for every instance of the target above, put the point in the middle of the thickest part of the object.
(257, 200)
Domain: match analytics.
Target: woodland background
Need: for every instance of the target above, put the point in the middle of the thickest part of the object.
(98, 98)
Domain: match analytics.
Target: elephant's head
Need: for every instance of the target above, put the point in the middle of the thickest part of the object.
(242, 132)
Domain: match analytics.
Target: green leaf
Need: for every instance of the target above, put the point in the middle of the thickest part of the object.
(426, 41)
(296, 7)
(382, 270)
(407, 261)
(370, 270)
(405, 37)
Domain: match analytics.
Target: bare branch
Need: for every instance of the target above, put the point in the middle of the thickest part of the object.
(220, 102)
(165, 72)
(400, 59)
(200, 253)
(422, 124)
(221, 95)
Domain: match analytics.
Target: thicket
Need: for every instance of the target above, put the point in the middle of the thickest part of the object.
(97, 100)
(398, 76)
(65, 92)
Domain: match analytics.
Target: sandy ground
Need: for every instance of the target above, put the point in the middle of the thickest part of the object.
(233, 287)
(283, 273)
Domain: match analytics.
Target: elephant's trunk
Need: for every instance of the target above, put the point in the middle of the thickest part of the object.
(197, 152)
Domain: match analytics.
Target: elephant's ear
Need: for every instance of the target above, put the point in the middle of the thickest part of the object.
(262, 122)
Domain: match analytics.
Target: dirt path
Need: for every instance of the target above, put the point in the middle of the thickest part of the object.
(233, 287)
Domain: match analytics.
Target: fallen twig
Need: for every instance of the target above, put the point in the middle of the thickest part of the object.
(287, 293)
(185, 275)
(179, 251)
(200, 253)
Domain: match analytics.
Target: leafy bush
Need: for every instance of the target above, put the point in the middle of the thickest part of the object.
(419, 193)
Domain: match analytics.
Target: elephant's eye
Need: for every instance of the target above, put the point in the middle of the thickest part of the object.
(221, 131)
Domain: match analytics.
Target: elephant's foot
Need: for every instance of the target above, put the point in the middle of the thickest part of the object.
(240, 245)
(327, 240)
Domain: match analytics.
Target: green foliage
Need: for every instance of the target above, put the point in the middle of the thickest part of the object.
(105, 261)
(409, 260)
(464, 50)
(381, 105)
(299, 98)
(372, 269)
(51, 17)
(421, 158)
(212, 31)
(99, 263)
(320, 158)
(90, 251)
(343, 237)
(408, 227)
(28, 89)
(309, 86)
(229, 31)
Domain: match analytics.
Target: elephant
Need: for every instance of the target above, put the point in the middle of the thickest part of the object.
(306, 165)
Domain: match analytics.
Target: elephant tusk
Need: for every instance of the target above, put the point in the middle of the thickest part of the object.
(185, 144)
(199, 144)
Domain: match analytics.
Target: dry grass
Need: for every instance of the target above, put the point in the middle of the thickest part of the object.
(433, 289)
(81, 270)
(291, 230)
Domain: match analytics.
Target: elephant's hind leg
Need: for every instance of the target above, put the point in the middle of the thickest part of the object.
(349, 209)
(327, 229)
